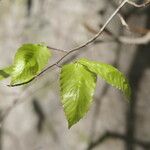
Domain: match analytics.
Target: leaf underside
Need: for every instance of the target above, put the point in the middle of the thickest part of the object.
(77, 89)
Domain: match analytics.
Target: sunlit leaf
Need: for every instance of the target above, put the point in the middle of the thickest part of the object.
(77, 89)
(110, 74)
(29, 60)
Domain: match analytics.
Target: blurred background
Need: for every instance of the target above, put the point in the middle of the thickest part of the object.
(38, 122)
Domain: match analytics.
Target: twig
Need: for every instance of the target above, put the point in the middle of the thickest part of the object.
(123, 22)
(57, 49)
(96, 36)
(141, 40)
(90, 41)
(115, 135)
(138, 5)
(128, 40)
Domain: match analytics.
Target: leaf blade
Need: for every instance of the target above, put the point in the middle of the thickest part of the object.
(29, 60)
(77, 89)
(110, 74)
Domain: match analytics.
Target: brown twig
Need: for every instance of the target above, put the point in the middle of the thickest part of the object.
(123, 21)
(57, 49)
(137, 41)
(89, 41)
(115, 135)
(138, 5)
(96, 36)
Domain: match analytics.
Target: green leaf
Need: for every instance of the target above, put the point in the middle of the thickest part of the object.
(77, 89)
(6, 72)
(29, 61)
(110, 74)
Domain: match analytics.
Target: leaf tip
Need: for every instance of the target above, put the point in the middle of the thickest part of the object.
(70, 124)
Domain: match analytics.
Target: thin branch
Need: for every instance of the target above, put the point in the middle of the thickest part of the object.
(96, 36)
(141, 40)
(139, 5)
(90, 41)
(123, 22)
(103, 27)
(57, 49)
(128, 40)
(114, 135)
